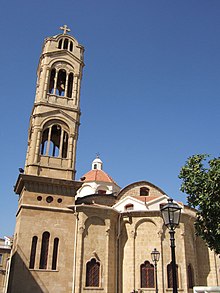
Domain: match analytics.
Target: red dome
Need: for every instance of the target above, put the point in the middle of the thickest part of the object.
(97, 175)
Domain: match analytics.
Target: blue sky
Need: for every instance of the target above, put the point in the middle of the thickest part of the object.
(150, 93)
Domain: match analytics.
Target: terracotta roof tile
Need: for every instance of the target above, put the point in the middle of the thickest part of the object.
(98, 175)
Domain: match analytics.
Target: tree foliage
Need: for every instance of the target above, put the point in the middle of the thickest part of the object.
(201, 182)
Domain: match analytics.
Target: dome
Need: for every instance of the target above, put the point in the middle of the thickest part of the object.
(96, 181)
(97, 175)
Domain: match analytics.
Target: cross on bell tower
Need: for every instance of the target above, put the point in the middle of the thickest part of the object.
(65, 29)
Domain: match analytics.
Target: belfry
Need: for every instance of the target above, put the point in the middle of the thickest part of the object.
(54, 121)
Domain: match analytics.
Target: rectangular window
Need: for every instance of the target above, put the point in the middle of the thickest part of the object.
(1, 258)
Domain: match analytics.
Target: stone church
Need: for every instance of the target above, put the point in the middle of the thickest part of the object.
(89, 236)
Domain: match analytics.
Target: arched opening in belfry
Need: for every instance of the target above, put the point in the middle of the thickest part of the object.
(52, 80)
(65, 45)
(61, 82)
(71, 46)
(70, 85)
(60, 43)
(44, 142)
(54, 142)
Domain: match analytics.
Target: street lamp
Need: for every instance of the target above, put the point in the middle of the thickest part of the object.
(155, 255)
(171, 216)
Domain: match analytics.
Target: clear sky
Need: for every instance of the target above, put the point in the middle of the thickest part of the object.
(150, 93)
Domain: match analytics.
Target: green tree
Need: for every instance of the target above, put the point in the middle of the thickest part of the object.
(201, 182)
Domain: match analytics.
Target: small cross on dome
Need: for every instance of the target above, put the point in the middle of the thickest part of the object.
(65, 29)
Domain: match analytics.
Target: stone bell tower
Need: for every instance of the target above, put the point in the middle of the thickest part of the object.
(43, 249)
(54, 121)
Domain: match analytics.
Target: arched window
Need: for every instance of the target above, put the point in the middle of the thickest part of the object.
(129, 207)
(147, 275)
(33, 252)
(61, 82)
(144, 191)
(190, 276)
(52, 80)
(170, 276)
(70, 85)
(60, 44)
(44, 250)
(54, 142)
(71, 46)
(101, 191)
(92, 273)
(65, 45)
(55, 253)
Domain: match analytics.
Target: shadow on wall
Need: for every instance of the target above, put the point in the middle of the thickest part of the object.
(203, 261)
(24, 280)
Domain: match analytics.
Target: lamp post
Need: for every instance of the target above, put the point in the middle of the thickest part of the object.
(171, 216)
(155, 255)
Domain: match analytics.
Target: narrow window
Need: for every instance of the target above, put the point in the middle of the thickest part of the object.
(147, 275)
(190, 276)
(92, 273)
(44, 142)
(95, 166)
(70, 85)
(65, 145)
(71, 46)
(144, 191)
(33, 252)
(1, 258)
(52, 78)
(60, 44)
(170, 276)
(44, 250)
(129, 207)
(55, 141)
(101, 191)
(65, 45)
(55, 253)
(61, 81)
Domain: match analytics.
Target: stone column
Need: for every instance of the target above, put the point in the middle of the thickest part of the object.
(37, 148)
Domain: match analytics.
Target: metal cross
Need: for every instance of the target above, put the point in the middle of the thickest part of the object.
(65, 29)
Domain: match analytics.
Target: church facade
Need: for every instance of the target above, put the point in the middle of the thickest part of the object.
(89, 236)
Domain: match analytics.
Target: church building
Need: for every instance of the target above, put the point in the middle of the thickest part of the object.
(90, 235)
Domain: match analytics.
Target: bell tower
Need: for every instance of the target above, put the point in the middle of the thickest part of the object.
(44, 240)
(55, 117)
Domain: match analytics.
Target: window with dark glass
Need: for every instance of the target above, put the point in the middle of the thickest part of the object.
(190, 276)
(147, 275)
(100, 191)
(129, 207)
(33, 252)
(170, 276)
(44, 250)
(144, 191)
(92, 273)
(55, 253)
